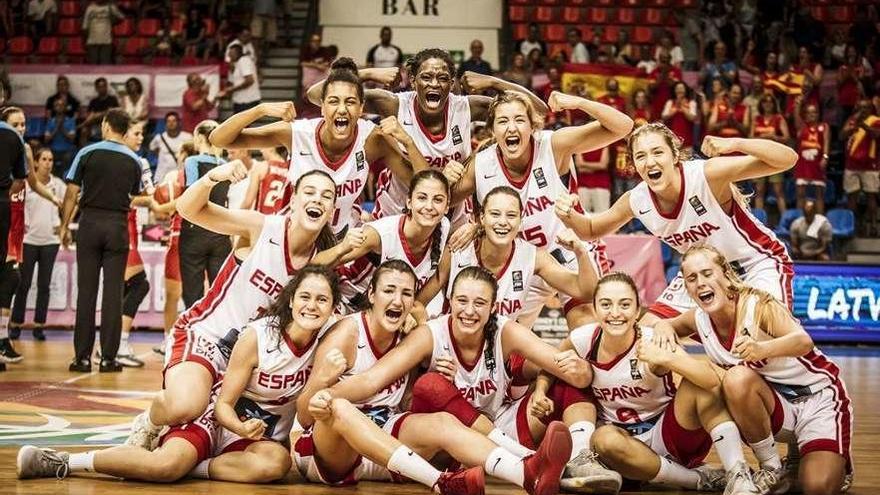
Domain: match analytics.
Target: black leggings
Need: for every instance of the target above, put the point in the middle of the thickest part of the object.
(44, 256)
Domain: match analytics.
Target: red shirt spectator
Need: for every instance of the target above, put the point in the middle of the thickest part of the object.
(663, 78)
(594, 180)
(680, 114)
(197, 105)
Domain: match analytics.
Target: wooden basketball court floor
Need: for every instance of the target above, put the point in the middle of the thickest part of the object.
(42, 403)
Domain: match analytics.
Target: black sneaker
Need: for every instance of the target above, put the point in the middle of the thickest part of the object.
(14, 332)
(2, 366)
(7, 352)
(108, 366)
(83, 366)
(39, 335)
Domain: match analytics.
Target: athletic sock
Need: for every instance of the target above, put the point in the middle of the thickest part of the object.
(407, 463)
(201, 470)
(765, 451)
(504, 465)
(83, 461)
(4, 326)
(581, 433)
(672, 473)
(502, 439)
(725, 436)
(123, 341)
(152, 426)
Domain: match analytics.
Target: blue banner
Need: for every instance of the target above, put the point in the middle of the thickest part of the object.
(838, 302)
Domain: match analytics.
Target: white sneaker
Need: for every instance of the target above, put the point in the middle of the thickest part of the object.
(585, 474)
(35, 462)
(126, 357)
(772, 481)
(739, 481)
(712, 478)
(144, 434)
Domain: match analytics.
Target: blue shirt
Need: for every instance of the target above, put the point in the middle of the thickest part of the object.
(59, 142)
(109, 174)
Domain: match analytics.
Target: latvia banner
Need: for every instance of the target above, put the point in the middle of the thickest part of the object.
(592, 78)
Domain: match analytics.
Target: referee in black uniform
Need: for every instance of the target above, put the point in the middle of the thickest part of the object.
(13, 166)
(104, 176)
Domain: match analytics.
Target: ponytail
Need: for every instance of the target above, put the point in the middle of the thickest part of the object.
(343, 69)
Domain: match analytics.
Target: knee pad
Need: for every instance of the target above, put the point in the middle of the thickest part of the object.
(432, 392)
(136, 289)
(9, 279)
(563, 396)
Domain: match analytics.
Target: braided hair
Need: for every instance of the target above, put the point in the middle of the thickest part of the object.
(326, 239)
(491, 328)
(279, 314)
(437, 235)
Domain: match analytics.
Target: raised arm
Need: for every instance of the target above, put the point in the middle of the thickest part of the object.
(242, 362)
(257, 173)
(610, 126)
(593, 226)
(335, 354)
(566, 365)
(194, 204)
(357, 243)
(384, 144)
(438, 281)
(479, 104)
(378, 101)
(580, 284)
(761, 158)
(234, 133)
(466, 184)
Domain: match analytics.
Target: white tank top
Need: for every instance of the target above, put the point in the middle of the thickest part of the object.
(281, 373)
(455, 144)
(485, 389)
(244, 288)
(699, 219)
(349, 173)
(394, 245)
(365, 358)
(791, 376)
(625, 389)
(513, 282)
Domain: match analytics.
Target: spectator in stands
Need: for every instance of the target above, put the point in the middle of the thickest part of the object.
(768, 123)
(641, 111)
(475, 63)
(90, 128)
(153, 9)
(771, 75)
(518, 72)
(750, 59)
(730, 117)
(662, 79)
(197, 104)
(595, 45)
(836, 50)
(578, 53)
(62, 92)
(861, 131)
(532, 41)
(243, 85)
(850, 76)
(757, 93)
(40, 247)
(60, 137)
(811, 235)
(244, 40)
(680, 114)
(98, 21)
(194, 34)
(807, 31)
(806, 67)
(166, 145)
(691, 34)
(264, 24)
(667, 45)
(385, 54)
(41, 15)
(536, 61)
(594, 179)
(719, 66)
(813, 144)
(314, 60)
(624, 52)
(134, 101)
(707, 105)
(612, 96)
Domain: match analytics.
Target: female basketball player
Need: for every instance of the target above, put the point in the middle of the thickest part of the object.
(242, 434)
(537, 164)
(776, 383)
(340, 143)
(250, 280)
(417, 237)
(653, 431)
(375, 426)
(688, 202)
(512, 260)
(267, 182)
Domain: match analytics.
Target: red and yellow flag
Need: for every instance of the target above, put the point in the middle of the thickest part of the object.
(593, 77)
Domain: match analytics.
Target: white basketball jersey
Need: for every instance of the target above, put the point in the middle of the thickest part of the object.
(349, 173)
(625, 389)
(281, 373)
(485, 389)
(699, 219)
(455, 144)
(802, 375)
(394, 245)
(513, 281)
(366, 357)
(244, 288)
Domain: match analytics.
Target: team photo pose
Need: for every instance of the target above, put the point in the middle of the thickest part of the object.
(243, 434)
(684, 202)
(776, 383)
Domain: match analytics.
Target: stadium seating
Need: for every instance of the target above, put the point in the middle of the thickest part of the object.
(760, 214)
(124, 28)
(70, 8)
(671, 272)
(843, 222)
(785, 222)
(148, 27)
(48, 49)
(19, 48)
(69, 27)
(133, 49)
(74, 50)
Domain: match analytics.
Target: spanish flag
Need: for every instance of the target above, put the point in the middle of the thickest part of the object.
(593, 77)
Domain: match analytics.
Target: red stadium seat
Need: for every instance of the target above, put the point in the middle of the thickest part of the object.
(659, 3)
(189, 60)
(177, 24)
(575, 3)
(544, 14)
(841, 14)
(69, 27)
(210, 27)
(549, 2)
(124, 28)
(2, 45)
(517, 13)
(20, 45)
(626, 16)
(686, 3)
(520, 31)
(161, 61)
(133, 49)
(555, 32)
(178, 8)
(70, 8)
(609, 3)
(74, 49)
(148, 27)
(642, 34)
(520, 2)
(610, 33)
(597, 15)
(48, 49)
(572, 15)
(654, 16)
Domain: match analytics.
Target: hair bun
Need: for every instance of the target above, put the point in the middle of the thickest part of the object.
(344, 63)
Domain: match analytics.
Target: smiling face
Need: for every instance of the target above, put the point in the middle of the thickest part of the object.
(315, 197)
(705, 281)
(312, 303)
(654, 160)
(433, 83)
(501, 218)
(471, 305)
(512, 129)
(428, 202)
(617, 308)
(391, 298)
(341, 107)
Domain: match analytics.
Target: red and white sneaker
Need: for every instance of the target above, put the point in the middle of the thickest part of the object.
(462, 482)
(543, 469)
